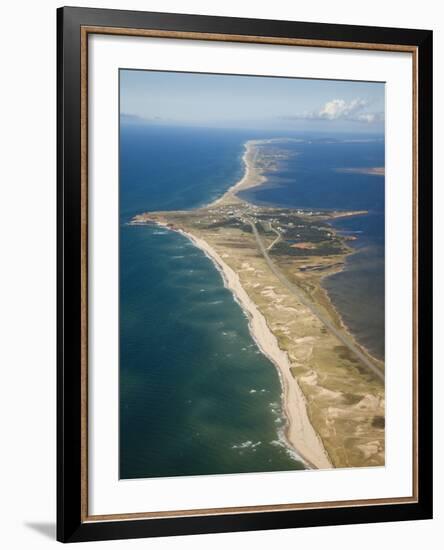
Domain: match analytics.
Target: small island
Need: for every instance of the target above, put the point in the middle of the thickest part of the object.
(273, 260)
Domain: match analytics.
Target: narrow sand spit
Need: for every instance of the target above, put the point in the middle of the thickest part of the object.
(300, 434)
(251, 177)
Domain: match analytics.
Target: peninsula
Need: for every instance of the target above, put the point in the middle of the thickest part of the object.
(273, 260)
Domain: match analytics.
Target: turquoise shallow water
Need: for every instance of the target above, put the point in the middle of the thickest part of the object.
(196, 395)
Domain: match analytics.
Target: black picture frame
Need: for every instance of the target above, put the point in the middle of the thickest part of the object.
(72, 526)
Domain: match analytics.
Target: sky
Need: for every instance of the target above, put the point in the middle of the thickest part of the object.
(250, 102)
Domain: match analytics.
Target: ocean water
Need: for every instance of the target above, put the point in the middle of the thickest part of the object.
(196, 395)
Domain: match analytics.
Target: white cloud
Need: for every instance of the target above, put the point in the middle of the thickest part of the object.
(339, 109)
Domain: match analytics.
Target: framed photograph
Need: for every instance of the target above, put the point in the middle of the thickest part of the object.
(244, 274)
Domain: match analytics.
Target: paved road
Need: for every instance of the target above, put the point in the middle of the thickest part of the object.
(341, 336)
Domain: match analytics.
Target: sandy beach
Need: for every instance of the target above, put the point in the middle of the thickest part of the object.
(299, 432)
(251, 177)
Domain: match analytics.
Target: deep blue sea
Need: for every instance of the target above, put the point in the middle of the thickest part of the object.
(196, 395)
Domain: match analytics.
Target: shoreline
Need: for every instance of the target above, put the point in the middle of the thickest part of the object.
(251, 176)
(299, 433)
(244, 182)
(343, 324)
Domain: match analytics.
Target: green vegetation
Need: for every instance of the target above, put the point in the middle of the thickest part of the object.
(297, 233)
